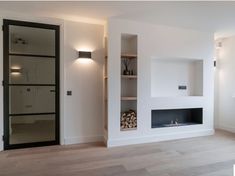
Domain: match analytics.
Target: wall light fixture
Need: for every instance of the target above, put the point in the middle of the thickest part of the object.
(84, 55)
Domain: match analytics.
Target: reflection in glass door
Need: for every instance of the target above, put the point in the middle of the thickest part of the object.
(31, 84)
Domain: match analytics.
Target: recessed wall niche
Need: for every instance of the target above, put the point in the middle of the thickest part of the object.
(172, 77)
(128, 56)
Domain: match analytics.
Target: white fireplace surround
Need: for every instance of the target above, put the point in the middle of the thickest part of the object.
(192, 54)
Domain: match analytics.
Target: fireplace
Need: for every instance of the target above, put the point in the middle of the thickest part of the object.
(176, 117)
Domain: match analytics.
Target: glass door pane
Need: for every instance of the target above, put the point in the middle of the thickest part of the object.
(31, 99)
(31, 70)
(31, 40)
(32, 128)
(31, 75)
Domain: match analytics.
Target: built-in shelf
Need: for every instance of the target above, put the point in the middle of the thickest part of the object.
(128, 129)
(128, 119)
(128, 56)
(128, 98)
(129, 76)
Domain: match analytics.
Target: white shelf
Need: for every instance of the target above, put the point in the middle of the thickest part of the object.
(128, 129)
(128, 56)
(129, 76)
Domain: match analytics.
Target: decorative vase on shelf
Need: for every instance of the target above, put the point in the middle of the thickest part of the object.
(126, 63)
(126, 72)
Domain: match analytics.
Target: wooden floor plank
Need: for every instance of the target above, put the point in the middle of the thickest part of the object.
(202, 156)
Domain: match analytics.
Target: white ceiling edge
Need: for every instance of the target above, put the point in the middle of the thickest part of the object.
(58, 18)
(81, 19)
(18, 15)
(116, 0)
(216, 18)
(224, 34)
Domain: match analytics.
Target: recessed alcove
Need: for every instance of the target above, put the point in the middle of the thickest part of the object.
(129, 77)
(173, 77)
(176, 117)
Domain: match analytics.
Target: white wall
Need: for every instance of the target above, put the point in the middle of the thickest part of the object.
(83, 110)
(157, 42)
(225, 83)
(81, 114)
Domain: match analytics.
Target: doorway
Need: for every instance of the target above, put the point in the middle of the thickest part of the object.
(31, 84)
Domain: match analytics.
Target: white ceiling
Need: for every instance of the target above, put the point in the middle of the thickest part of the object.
(217, 17)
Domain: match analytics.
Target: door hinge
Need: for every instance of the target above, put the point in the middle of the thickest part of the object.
(3, 83)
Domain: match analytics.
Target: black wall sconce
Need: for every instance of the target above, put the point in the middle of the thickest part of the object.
(84, 55)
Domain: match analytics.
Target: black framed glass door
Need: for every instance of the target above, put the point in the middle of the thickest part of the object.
(31, 84)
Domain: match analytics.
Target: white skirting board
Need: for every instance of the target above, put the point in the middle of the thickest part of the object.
(83, 139)
(226, 128)
(140, 140)
(129, 141)
(158, 138)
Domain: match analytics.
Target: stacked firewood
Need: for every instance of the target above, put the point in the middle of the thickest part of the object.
(128, 119)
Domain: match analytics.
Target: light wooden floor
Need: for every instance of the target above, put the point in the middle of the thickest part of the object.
(203, 156)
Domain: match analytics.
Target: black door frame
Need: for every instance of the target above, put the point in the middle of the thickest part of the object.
(6, 23)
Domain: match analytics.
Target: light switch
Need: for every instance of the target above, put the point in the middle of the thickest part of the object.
(69, 92)
(182, 87)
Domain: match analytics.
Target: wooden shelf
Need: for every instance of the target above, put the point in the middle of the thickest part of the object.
(129, 76)
(128, 56)
(106, 77)
(128, 129)
(128, 98)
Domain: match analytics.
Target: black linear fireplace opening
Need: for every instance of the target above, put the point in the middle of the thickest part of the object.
(176, 117)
